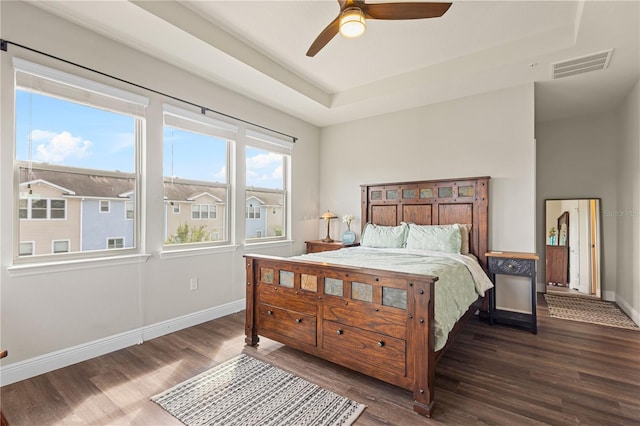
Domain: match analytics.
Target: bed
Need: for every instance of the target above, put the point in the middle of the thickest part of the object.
(355, 308)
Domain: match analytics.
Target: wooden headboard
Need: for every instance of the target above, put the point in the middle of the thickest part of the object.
(432, 202)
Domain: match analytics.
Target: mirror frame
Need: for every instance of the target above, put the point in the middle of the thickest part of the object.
(596, 270)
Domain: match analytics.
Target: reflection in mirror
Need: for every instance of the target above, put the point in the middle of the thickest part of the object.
(572, 232)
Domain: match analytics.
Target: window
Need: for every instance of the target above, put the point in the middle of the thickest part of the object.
(267, 170)
(196, 164)
(115, 243)
(60, 246)
(26, 248)
(76, 145)
(253, 212)
(203, 211)
(129, 210)
(33, 208)
(195, 211)
(104, 206)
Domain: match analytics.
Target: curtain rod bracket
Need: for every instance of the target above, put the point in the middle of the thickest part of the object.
(203, 110)
(3, 45)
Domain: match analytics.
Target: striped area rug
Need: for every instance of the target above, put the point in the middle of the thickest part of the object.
(247, 391)
(594, 311)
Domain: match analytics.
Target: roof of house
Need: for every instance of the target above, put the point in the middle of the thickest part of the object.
(95, 185)
(178, 190)
(266, 198)
(82, 184)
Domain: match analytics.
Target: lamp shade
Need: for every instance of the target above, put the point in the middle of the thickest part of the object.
(352, 22)
(328, 215)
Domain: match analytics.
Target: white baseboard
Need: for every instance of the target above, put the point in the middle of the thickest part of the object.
(41, 364)
(628, 309)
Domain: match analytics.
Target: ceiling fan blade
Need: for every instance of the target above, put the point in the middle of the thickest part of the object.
(325, 37)
(405, 10)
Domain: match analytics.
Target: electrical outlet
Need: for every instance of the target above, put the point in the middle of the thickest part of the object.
(193, 283)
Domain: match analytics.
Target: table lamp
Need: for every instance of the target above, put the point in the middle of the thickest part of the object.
(327, 217)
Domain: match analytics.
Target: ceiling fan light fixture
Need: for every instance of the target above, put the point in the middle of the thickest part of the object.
(352, 22)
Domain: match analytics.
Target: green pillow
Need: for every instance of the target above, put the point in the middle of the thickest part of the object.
(445, 238)
(384, 236)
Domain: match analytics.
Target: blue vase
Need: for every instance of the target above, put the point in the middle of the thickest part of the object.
(348, 237)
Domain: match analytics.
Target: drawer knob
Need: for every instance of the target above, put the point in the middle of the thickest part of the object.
(298, 320)
(269, 312)
(339, 331)
(510, 266)
(381, 343)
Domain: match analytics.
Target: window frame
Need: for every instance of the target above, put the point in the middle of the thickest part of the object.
(116, 238)
(53, 246)
(127, 210)
(257, 139)
(33, 247)
(47, 209)
(108, 210)
(53, 83)
(190, 121)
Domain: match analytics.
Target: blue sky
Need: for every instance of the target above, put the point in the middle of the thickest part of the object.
(71, 134)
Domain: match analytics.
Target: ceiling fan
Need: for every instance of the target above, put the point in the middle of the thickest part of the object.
(351, 21)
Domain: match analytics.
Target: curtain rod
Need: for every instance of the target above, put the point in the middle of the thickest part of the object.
(203, 110)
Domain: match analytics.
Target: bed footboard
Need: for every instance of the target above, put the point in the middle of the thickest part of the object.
(376, 322)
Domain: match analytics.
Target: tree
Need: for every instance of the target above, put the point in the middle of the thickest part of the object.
(184, 234)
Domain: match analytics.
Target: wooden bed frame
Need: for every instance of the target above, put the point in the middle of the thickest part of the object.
(286, 299)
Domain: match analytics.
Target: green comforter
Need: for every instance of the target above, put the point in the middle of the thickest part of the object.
(461, 279)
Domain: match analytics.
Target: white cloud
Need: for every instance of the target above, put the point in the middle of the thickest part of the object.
(221, 175)
(277, 173)
(57, 147)
(264, 167)
(262, 161)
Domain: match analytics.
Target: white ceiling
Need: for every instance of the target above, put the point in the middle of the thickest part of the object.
(257, 48)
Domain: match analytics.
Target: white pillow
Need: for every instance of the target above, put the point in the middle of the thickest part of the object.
(445, 238)
(384, 236)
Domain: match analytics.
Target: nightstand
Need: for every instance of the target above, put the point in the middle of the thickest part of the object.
(316, 246)
(516, 264)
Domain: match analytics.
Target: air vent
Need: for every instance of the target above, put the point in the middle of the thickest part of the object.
(593, 62)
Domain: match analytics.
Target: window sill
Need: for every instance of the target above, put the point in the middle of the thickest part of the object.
(72, 265)
(200, 251)
(268, 244)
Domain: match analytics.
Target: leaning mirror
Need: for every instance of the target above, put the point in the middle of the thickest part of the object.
(572, 254)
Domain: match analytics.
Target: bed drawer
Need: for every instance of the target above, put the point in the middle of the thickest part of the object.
(364, 349)
(287, 299)
(283, 322)
(391, 322)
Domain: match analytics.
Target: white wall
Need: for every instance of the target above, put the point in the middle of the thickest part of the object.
(627, 211)
(485, 135)
(49, 310)
(599, 157)
(576, 158)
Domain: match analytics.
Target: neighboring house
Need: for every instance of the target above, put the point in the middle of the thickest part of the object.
(92, 212)
(41, 202)
(263, 214)
(198, 205)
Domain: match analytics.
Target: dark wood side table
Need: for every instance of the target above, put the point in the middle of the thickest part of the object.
(517, 264)
(315, 246)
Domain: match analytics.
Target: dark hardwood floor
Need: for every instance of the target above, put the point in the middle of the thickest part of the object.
(569, 373)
